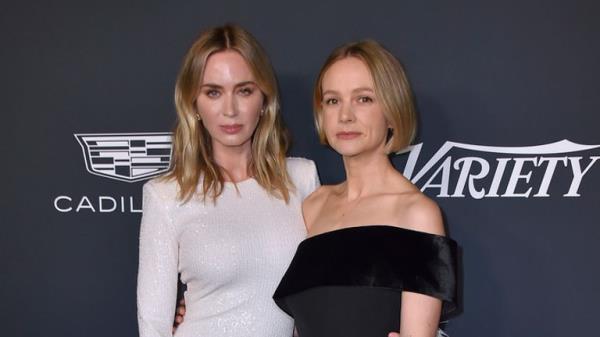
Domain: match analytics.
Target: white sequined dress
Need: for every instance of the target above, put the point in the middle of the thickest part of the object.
(231, 255)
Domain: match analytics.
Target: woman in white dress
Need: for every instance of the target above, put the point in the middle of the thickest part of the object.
(227, 217)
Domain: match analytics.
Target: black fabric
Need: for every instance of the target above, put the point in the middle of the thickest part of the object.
(336, 311)
(373, 256)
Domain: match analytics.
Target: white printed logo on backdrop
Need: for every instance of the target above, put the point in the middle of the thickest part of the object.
(128, 157)
(464, 170)
(456, 170)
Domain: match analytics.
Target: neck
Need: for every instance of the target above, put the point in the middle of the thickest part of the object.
(367, 174)
(233, 161)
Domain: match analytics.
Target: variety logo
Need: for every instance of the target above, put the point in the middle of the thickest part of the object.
(476, 171)
(128, 157)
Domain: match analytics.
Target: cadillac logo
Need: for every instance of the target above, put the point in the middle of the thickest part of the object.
(128, 157)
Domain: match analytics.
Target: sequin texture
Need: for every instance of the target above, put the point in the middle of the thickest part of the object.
(231, 256)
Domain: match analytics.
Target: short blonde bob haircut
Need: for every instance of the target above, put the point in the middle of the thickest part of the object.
(193, 161)
(391, 88)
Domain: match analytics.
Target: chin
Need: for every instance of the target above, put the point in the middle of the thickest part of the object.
(353, 150)
(347, 151)
(233, 141)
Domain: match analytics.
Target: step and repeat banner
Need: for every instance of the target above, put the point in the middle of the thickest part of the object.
(508, 145)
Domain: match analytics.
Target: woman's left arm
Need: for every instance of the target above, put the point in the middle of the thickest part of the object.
(420, 314)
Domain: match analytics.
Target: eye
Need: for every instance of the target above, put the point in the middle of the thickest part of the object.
(246, 91)
(331, 101)
(365, 99)
(212, 93)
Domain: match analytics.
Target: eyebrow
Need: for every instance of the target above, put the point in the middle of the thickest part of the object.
(241, 84)
(353, 91)
(363, 89)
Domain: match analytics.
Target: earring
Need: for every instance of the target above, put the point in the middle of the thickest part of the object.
(262, 111)
(197, 116)
(390, 134)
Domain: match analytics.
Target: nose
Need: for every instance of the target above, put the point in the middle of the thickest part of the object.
(346, 113)
(230, 109)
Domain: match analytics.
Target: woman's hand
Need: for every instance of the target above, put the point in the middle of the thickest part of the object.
(394, 334)
(179, 314)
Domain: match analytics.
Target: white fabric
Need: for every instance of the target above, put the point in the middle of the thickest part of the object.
(231, 255)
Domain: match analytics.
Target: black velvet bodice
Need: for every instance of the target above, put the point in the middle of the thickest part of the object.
(348, 282)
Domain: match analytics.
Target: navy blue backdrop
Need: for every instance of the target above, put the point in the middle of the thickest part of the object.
(508, 145)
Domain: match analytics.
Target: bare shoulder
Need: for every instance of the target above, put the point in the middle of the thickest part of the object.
(311, 206)
(418, 212)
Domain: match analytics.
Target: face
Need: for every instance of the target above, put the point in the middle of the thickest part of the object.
(229, 101)
(351, 115)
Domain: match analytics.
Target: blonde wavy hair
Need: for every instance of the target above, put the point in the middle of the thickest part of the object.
(391, 87)
(193, 161)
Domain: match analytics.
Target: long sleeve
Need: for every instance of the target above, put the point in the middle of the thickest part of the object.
(314, 181)
(305, 175)
(158, 265)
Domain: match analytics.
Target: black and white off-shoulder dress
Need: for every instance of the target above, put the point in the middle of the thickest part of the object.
(348, 282)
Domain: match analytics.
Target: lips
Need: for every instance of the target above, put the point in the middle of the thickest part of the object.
(231, 128)
(346, 135)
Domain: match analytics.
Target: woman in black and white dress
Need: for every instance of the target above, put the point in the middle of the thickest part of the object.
(376, 259)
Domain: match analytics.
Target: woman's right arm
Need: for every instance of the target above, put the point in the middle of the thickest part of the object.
(157, 272)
